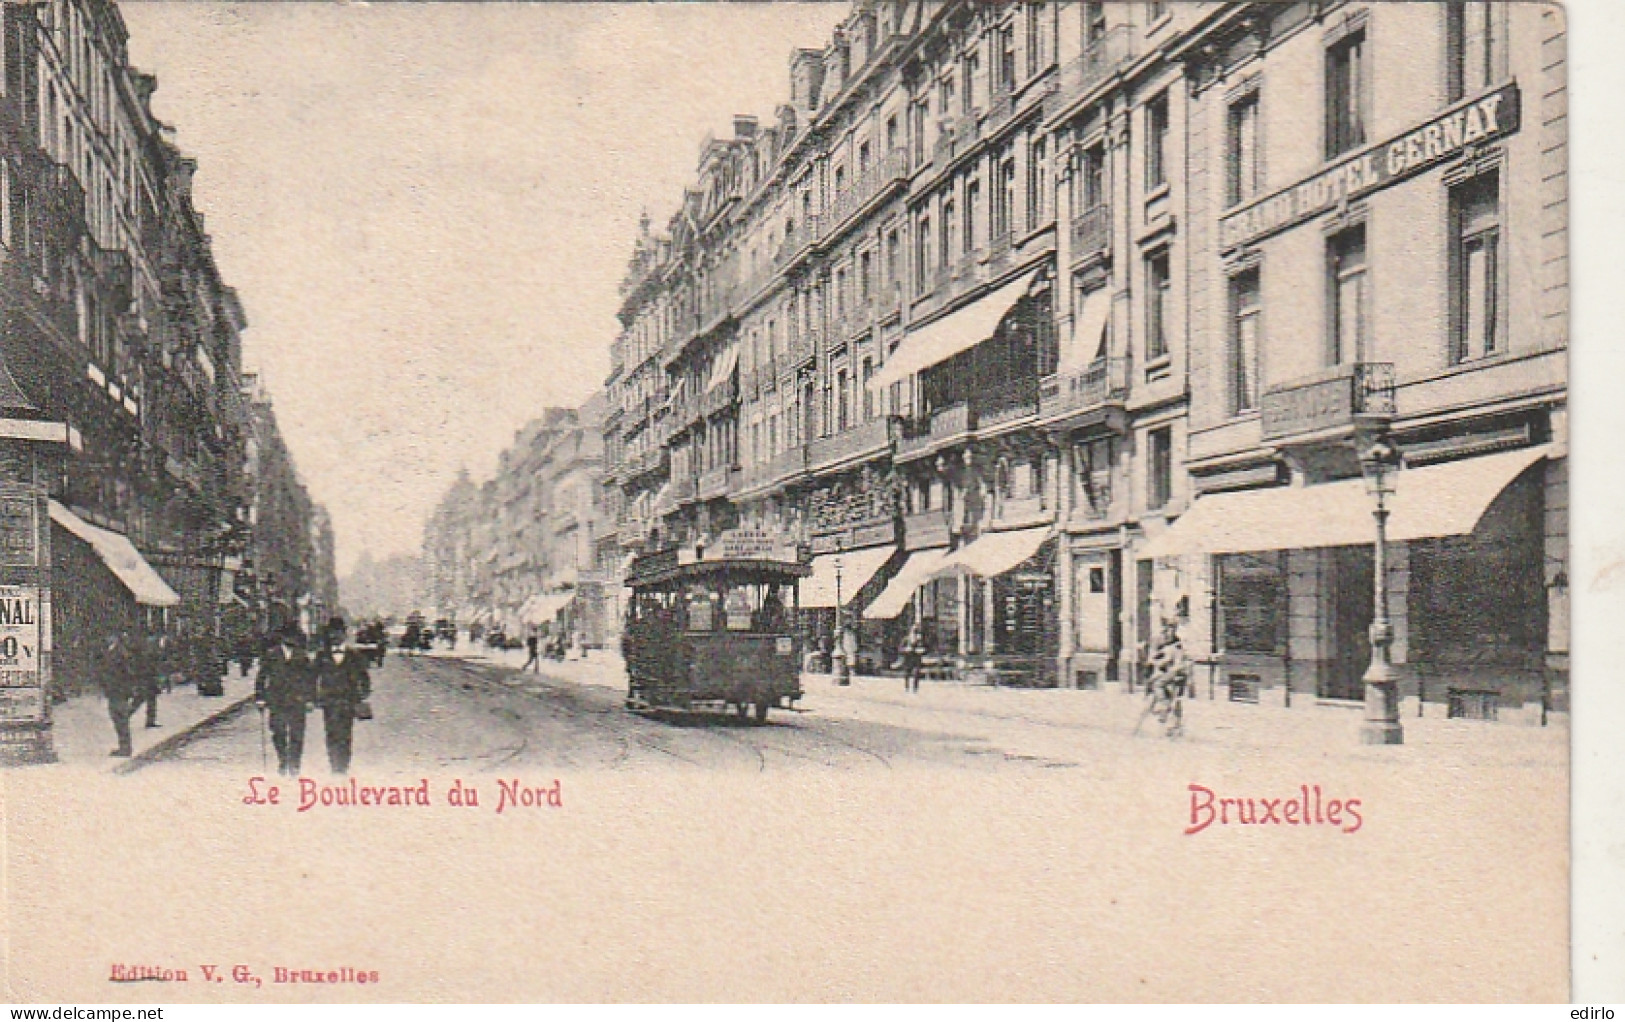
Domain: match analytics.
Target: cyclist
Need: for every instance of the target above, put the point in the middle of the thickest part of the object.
(1170, 679)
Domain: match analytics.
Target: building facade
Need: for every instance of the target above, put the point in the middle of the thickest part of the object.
(116, 323)
(521, 551)
(1034, 322)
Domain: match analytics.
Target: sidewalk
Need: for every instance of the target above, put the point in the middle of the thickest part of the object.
(602, 667)
(1052, 722)
(83, 732)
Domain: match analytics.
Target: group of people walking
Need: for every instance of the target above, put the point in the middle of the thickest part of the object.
(134, 670)
(291, 682)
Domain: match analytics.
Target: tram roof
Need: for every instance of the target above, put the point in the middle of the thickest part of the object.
(669, 571)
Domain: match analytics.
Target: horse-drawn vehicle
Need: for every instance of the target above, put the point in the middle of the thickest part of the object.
(714, 631)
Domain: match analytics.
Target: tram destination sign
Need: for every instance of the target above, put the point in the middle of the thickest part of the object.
(1469, 123)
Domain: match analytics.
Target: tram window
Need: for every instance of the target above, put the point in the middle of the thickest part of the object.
(738, 609)
(701, 609)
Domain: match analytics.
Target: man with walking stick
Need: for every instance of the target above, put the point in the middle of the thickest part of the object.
(285, 688)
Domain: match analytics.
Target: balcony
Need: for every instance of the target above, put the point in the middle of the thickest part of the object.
(1092, 233)
(718, 482)
(891, 169)
(684, 488)
(721, 397)
(789, 464)
(1005, 402)
(1022, 512)
(1099, 60)
(862, 441)
(918, 438)
(925, 529)
(1332, 402)
(1101, 384)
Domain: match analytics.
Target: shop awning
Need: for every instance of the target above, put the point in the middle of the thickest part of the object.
(723, 368)
(942, 339)
(995, 553)
(1088, 332)
(122, 559)
(857, 568)
(915, 572)
(1428, 502)
(544, 607)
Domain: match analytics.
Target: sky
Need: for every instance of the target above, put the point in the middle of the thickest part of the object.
(427, 209)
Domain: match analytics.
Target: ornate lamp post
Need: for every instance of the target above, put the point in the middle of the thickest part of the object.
(1379, 463)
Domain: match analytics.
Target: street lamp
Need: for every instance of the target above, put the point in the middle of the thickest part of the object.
(1379, 463)
(843, 670)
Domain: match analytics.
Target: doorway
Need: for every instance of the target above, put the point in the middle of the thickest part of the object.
(1350, 580)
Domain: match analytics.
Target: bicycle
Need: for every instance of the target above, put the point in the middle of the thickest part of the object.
(1165, 700)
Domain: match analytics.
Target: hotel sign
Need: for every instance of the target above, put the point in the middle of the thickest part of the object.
(1465, 124)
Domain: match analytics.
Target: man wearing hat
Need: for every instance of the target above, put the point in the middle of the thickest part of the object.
(341, 685)
(285, 687)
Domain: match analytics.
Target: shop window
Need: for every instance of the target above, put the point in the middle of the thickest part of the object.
(1246, 316)
(1477, 34)
(1159, 467)
(1476, 260)
(1245, 158)
(1156, 143)
(1348, 298)
(1252, 597)
(1346, 91)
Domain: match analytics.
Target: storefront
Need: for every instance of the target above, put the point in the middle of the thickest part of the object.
(103, 587)
(1007, 609)
(1288, 574)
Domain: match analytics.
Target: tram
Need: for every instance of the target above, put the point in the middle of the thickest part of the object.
(714, 629)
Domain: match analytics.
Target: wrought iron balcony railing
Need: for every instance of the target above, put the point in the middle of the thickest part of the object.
(1334, 399)
(1101, 382)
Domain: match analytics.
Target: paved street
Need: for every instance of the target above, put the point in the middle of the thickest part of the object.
(478, 710)
(442, 713)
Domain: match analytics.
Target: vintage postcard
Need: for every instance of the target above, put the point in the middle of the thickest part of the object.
(891, 500)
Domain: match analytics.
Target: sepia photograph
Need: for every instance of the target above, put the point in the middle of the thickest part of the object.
(882, 500)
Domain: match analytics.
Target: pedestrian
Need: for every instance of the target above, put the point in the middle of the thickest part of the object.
(284, 687)
(146, 670)
(913, 652)
(534, 662)
(342, 684)
(113, 672)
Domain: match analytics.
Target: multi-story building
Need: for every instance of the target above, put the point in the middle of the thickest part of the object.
(1012, 309)
(115, 321)
(521, 550)
(1378, 210)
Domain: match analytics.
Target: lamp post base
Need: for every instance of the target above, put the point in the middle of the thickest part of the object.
(1382, 732)
(1381, 726)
